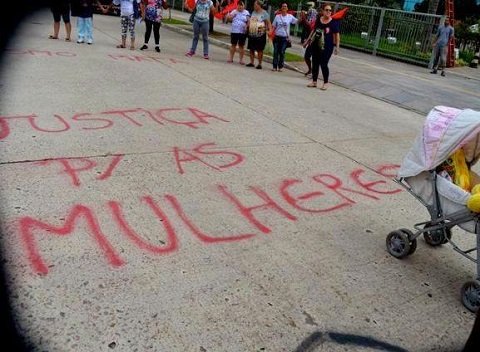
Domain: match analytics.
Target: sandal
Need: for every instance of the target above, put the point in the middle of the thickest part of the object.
(132, 48)
(68, 39)
(120, 46)
(51, 36)
(324, 87)
(312, 85)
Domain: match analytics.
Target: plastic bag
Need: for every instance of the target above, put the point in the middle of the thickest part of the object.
(269, 46)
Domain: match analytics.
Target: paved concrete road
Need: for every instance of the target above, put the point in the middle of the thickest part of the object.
(152, 202)
(411, 87)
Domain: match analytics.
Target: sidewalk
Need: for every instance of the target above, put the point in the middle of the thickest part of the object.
(405, 85)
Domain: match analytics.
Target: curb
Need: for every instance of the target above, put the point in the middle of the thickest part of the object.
(222, 44)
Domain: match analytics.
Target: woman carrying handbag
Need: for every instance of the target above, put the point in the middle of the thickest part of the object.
(281, 28)
(201, 19)
(324, 40)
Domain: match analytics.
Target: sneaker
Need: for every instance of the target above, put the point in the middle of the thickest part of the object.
(249, 65)
(259, 67)
(434, 72)
(206, 57)
(190, 54)
(80, 41)
(442, 74)
(157, 49)
(90, 41)
(144, 46)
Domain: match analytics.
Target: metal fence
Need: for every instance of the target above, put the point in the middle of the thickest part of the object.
(402, 35)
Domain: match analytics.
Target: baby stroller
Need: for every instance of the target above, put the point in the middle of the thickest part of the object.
(445, 131)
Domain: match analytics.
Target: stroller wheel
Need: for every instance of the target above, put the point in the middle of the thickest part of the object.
(471, 295)
(436, 237)
(413, 243)
(399, 244)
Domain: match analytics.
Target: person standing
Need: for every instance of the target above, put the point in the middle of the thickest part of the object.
(223, 4)
(211, 18)
(238, 36)
(307, 21)
(200, 25)
(281, 27)
(323, 40)
(257, 33)
(61, 10)
(445, 33)
(127, 19)
(152, 13)
(83, 10)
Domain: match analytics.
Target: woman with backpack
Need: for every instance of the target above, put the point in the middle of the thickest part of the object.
(324, 40)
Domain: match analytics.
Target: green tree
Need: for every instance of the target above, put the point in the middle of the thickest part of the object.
(391, 4)
(462, 8)
(464, 37)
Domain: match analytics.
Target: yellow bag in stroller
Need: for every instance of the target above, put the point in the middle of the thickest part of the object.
(436, 171)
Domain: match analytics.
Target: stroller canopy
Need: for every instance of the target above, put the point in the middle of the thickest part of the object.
(445, 130)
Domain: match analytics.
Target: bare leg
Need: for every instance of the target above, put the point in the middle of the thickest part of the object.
(68, 30)
(260, 57)
(232, 52)
(56, 29)
(132, 43)
(242, 53)
(252, 56)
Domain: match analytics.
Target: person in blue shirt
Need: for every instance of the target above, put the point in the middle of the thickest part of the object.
(281, 27)
(203, 8)
(440, 46)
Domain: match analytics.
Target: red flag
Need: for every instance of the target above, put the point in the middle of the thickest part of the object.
(226, 10)
(340, 14)
(191, 3)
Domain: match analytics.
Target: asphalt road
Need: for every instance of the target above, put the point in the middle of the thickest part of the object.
(153, 202)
